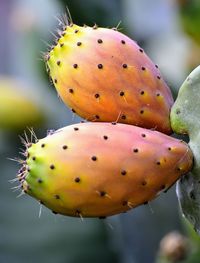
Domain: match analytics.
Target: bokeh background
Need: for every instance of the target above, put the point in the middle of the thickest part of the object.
(169, 31)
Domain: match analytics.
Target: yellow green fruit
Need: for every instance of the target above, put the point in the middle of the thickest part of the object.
(102, 169)
(17, 109)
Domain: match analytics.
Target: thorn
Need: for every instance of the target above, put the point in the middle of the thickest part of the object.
(69, 17)
(16, 160)
(151, 209)
(40, 211)
(13, 180)
(110, 225)
(130, 205)
(22, 193)
(15, 188)
(33, 135)
(125, 99)
(119, 23)
(46, 44)
(118, 117)
(95, 26)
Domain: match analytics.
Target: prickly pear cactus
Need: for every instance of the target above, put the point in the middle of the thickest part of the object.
(185, 118)
(101, 169)
(103, 75)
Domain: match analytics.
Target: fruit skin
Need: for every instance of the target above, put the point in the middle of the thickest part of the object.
(104, 76)
(17, 109)
(102, 169)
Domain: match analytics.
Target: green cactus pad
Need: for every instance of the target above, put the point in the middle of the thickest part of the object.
(185, 119)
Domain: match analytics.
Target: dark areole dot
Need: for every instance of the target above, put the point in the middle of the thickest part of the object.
(43, 145)
(123, 42)
(100, 41)
(97, 117)
(94, 158)
(142, 92)
(33, 158)
(123, 172)
(71, 91)
(142, 111)
(77, 179)
(124, 203)
(46, 57)
(58, 62)
(178, 111)
(113, 123)
(54, 212)
(39, 181)
(52, 167)
(100, 66)
(169, 148)
(64, 147)
(125, 66)
(73, 110)
(76, 128)
(61, 44)
(76, 31)
(145, 203)
(105, 137)
(57, 196)
(123, 117)
(102, 193)
(121, 93)
(79, 44)
(143, 68)
(77, 212)
(141, 50)
(144, 183)
(143, 135)
(135, 150)
(55, 80)
(158, 162)
(75, 66)
(158, 77)
(97, 95)
(158, 94)
(156, 65)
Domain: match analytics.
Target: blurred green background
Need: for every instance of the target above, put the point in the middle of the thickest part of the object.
(169, 31)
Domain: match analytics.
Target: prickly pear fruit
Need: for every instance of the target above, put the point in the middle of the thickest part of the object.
(103, 75)
(101, 169)
(17, 109)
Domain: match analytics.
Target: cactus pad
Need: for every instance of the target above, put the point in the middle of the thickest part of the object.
(185, 118)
